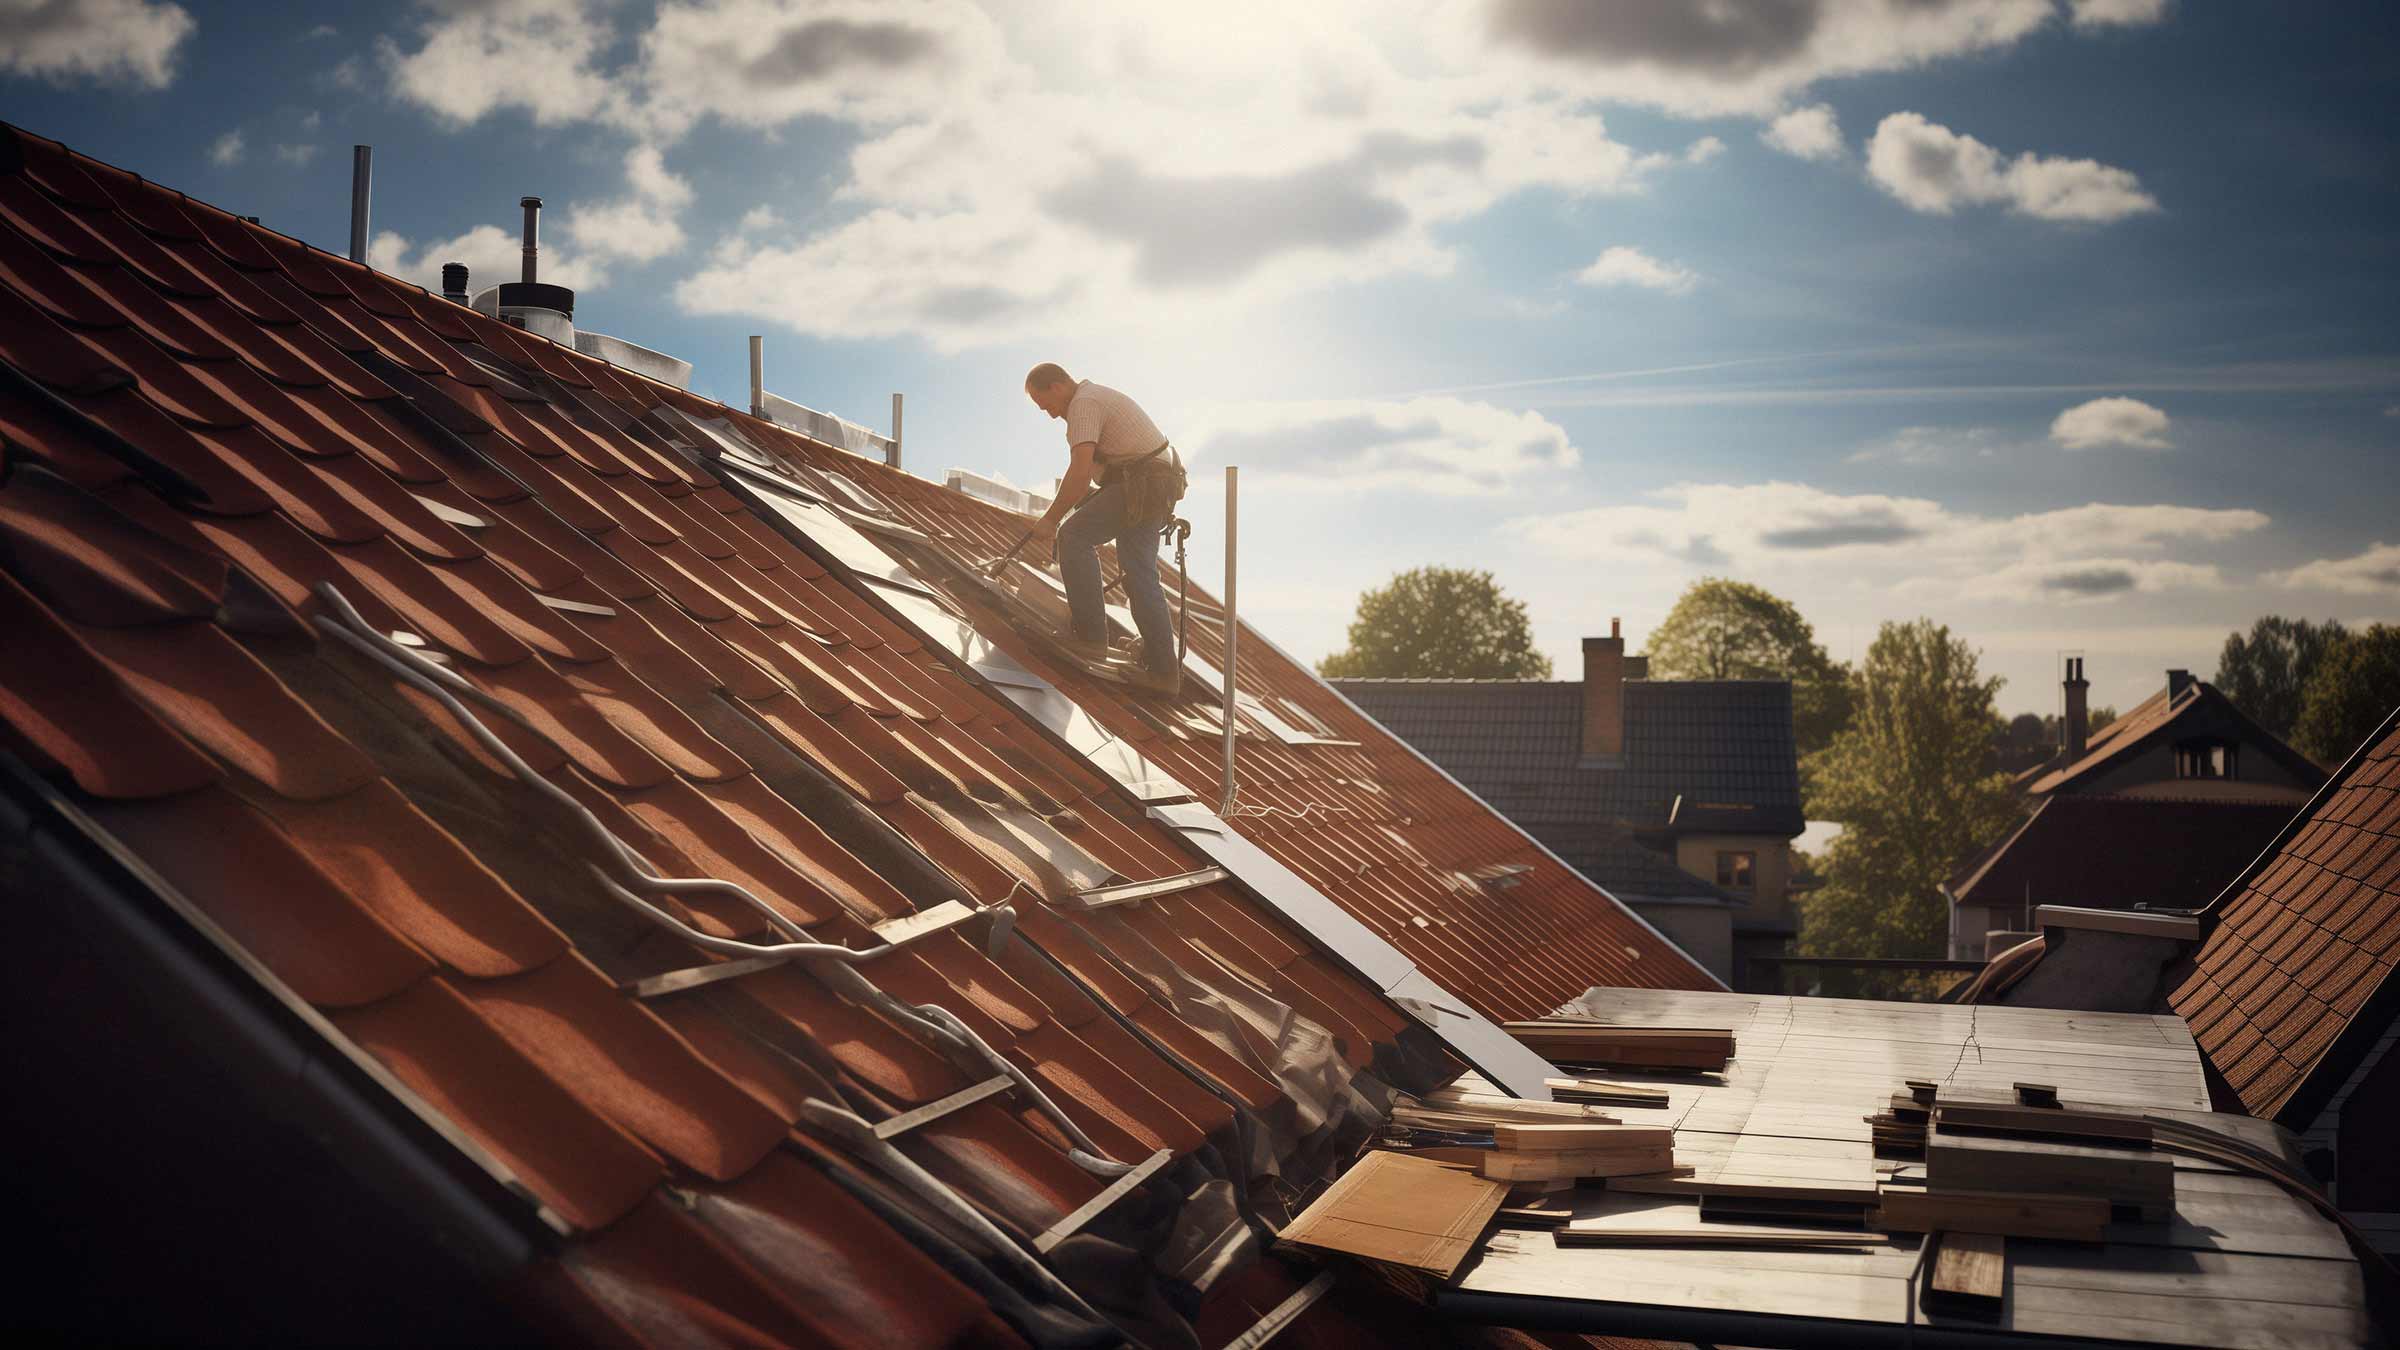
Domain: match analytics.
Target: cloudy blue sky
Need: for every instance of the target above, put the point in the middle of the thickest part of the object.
(2070, 323)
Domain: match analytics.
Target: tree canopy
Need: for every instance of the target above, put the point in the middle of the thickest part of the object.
(2354, 686)
(2266, 673)
(1438, 622)
(1906, 778)
(1731, 630)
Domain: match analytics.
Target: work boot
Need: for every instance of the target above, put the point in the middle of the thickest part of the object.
(1166, 685)
(1084, 649)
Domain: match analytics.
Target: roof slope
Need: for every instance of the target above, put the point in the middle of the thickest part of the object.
(2292, 977)
(209, 431)
(1327, 793)
(1724, 747)
(2198, 709)
(2116, 852)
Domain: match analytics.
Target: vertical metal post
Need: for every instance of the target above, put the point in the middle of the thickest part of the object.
(362, 175)
(892, 457)
(758, 376)
(1233, 629)
(533, 249)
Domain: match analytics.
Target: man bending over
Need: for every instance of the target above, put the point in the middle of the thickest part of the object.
(1140, 478)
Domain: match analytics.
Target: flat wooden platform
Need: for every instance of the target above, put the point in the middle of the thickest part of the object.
(2241, 1264)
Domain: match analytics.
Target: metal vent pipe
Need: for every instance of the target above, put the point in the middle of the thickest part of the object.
(362, 174)
(1233, 630)
(892, 456)
(454, 282)
(533, 248)
(758, 376)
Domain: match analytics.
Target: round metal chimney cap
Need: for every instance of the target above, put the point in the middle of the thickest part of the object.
(529, 201)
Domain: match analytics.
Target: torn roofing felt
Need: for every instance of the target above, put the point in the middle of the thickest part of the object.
(409, 658)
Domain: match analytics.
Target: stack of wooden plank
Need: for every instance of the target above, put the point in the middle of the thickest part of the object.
(1569, 1152)
(1401, 1209)
(1568, 1040)
(2014, 1169)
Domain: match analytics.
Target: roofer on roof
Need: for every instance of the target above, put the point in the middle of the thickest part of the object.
(1140, 480)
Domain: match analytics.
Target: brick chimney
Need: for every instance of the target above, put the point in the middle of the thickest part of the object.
(1604, 694)
(2078, 724)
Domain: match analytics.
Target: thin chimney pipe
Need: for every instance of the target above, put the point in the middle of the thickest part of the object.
(533, 217)
(892, 456)
(1233, 629)
(758, 376)
(362, 176)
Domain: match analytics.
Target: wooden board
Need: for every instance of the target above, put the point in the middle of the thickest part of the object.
(2041, 1122)
(1726, 1236)
(1508, 1165)
(1560, 1138)
(1605, 1093)
(1969, 1274)
(1967, 1162)
(2065, 1218)
(1407, 1211)
(1650, 1047)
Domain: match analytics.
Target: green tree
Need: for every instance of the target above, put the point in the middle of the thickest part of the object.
(1439, 622)
(1907, 781)
(1731, 630)
(2266, 673)
(2355, 685)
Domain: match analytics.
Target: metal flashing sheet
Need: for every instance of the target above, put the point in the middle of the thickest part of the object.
(829, 531)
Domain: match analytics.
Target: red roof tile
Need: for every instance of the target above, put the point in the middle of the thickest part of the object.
(2300, 947)
(204, 424)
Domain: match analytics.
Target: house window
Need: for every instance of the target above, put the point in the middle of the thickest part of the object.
(1734, 869)
(2207, 759)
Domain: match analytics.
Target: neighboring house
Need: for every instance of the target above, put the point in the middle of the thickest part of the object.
(2284, 979)
(2187, 740)
(2157, 810)
(1679, 797)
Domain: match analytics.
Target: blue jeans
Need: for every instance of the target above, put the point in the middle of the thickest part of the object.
(1099, 518)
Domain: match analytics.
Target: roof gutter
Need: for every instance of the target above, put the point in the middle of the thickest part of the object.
(484, 1220)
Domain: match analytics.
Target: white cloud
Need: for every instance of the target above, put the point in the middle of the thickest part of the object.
(323, 30)
(474, 57)
(1022, 168)
(226, 150)
(1624, 265)
(311, 120)
(2105, 422)
(758, 218)
(1919, 446)
(344, 76)
(2116, 13)
(2091, 580)
(1913, 544)
(297, 156)
(491, 253)
(641, 225)
(1812, 132)
(1930, 168)
(1717, 58)
(1438, 446)
(2373, 572)
(129, 42)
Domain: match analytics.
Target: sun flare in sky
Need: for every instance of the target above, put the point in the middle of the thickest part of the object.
(2065, 322)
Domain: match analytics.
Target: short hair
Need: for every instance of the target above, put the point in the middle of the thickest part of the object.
(1046, 374)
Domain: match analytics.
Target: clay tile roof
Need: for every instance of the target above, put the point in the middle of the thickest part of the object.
(208, 431)
(2291, 980)
(2196, 709)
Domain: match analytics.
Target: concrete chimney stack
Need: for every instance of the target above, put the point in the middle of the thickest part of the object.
(2077, 729)
(1604, 694)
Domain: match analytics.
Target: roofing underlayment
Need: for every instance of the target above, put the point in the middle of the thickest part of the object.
(523, 727)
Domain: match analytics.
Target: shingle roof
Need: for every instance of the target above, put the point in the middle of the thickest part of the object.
(2116, 852)
(2291, 980)
(1724, 747)
(205, 425)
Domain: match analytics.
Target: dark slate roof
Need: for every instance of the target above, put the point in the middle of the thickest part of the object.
(1723, 746)
(2115, 852)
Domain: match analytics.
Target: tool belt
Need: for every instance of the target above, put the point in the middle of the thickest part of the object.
(1152, 485)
